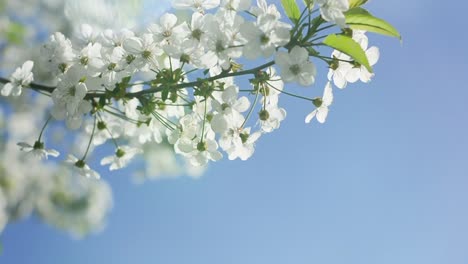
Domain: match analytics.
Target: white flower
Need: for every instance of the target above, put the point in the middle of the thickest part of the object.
(191, 52)
(196, 5)
(296, 67)
(145, 50)
(333, 11)
(122, 157)
(264, 36)
(200, 152)
(21, 78)
(239, 143)
(228, 108)
(69, 100)
(168, 32)
(113, 70)
(38, 150)
(321, 104)
(199, 26)
(81, 168)
(90, 59)
(346, 72)
(223, 40)
(186, 131)
(271, 118)
(58, 53)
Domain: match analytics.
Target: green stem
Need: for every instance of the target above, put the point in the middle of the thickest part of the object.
(90, 139)
(108, 131)
(251, 109)
(290, 94)
(204, 121)
(43, 128)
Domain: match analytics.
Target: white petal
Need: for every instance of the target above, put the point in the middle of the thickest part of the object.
(53, 153)
(168, 21)
(299, 54)
(242, 104)
(327, 95)
(6, 90)
(322, 114)
(27, 66)
(373, 55)
(107, 160)
(24, 146)
(310, 116)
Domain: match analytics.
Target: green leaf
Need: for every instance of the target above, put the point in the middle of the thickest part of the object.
(291, 9)
(356, 3)
(360, 19)
(350, 47)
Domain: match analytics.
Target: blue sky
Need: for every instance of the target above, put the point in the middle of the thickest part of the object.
(385, 180)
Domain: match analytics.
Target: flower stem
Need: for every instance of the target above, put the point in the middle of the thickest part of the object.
(43, 128)
(90, 139)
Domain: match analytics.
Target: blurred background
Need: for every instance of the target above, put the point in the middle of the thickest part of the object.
(385, 180)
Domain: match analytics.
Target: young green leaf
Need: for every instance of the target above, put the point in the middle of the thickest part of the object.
(291, 9)
(350, 47)
(361, 19)
(356, 3)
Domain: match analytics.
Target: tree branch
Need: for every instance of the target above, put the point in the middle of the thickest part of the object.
(89, 96)
(33, 86)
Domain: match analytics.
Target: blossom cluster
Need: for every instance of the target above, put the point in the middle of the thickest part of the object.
(187, 89)
(175, 83)
(178, 83)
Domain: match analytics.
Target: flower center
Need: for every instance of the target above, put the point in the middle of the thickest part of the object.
(72, 91)
(185, 58)
(196, 34)
(84, 60)
(80, 164)
(167, 33)
(38, 145)
(244, 137)
(130, 59)
(101, 125)
(202, 146)
(317, 102)
(264, 39)
(120, 153)
(225, 106)
(219, 46)
(264, 115)
(146, 54)
(295, 69)
(111, 66)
